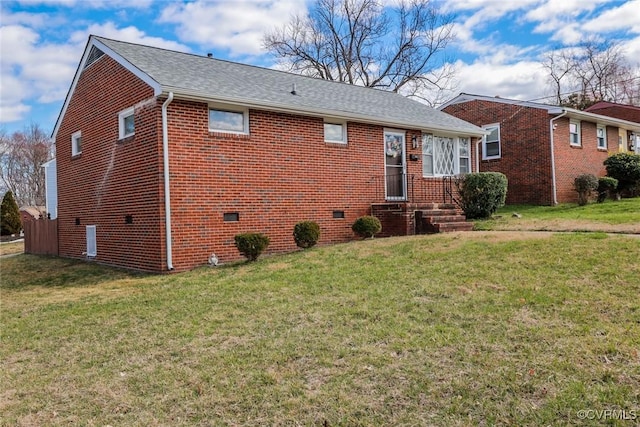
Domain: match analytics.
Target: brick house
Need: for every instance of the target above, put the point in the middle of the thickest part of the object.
(628, 141)
(540, 148)
(163, 157)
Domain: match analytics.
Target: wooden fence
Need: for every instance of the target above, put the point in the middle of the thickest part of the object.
(41, 237)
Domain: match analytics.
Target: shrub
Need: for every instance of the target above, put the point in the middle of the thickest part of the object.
(482, 193)
(306, 234)
(625, 167)
(585, 184)
(10, 221)
(367, 226)
(607, 188)
(251, 245)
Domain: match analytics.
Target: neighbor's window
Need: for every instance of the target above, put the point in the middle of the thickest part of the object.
(126, 123)
(491, 143)
(601, 132)
(335, 132)
(464, 150)
(445, 156)
(76, 143)
(232, 121)
(574, 132)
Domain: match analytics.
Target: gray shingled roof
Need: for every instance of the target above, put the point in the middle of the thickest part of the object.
(219, 80)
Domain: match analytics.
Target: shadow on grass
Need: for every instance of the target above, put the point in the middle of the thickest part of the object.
(26, 271)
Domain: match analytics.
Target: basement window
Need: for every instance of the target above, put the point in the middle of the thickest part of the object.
(126, 123)
(338, 214)
(231, 217)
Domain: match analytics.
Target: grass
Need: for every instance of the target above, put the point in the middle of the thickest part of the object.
(621, 216)
(445, 330)
(11, 248)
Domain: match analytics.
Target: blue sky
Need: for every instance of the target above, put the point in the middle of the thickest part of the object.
(498, 48)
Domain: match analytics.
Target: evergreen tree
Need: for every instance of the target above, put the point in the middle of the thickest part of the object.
(10, 222)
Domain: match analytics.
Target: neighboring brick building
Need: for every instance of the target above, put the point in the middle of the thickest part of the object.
(628, 141)
(540, 148)
(163, 157)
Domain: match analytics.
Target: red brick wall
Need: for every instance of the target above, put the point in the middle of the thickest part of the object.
(281, 173)
(525, 145)
(572, 161)
(111, 179)
(630, 113)
(273, 178)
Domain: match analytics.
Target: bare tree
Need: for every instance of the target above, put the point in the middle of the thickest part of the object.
(592, 72)
(560, 65)
(21, 158)
(362, 43)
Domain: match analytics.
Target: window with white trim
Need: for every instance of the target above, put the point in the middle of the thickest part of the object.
(229, 120)
(126, 123)
(464, 155)
(335, 132)
(574, 133)
(491, 143)
(445, 156)
(601, 134)
(76, 143)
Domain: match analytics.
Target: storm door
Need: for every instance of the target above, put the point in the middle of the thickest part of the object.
(395, 165)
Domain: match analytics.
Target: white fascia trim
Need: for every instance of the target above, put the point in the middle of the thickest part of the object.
(157, 89)
(466, 97)
(325, 114)
(602, 120)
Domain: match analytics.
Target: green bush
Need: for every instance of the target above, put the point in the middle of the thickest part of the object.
(482, 193)
(251, 245)
(585, 184)
(607, 188)
(625, 167)
(10, 221)
(306, 234)
(367, 226)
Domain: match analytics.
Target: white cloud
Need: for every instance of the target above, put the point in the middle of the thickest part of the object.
(631, 49)
(129, 34)
(566, 20)
(40, 71)
(522, 80)
(626, 16)
(91, 4)
(237, 26)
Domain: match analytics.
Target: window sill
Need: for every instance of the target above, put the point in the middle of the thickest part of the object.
(336, 143)
(126, 139)
(575, 146)
(232, 135)
(76, 156)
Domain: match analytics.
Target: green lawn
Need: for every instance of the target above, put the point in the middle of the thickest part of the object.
(610, 216)
(444, 330)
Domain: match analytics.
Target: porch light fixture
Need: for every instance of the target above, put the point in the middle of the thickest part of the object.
(414, 141)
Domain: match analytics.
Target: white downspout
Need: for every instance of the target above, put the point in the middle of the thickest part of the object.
(553, 159)
(167, 193)
(478, 153)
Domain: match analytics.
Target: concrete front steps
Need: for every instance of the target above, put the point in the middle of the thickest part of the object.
(440, 218)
